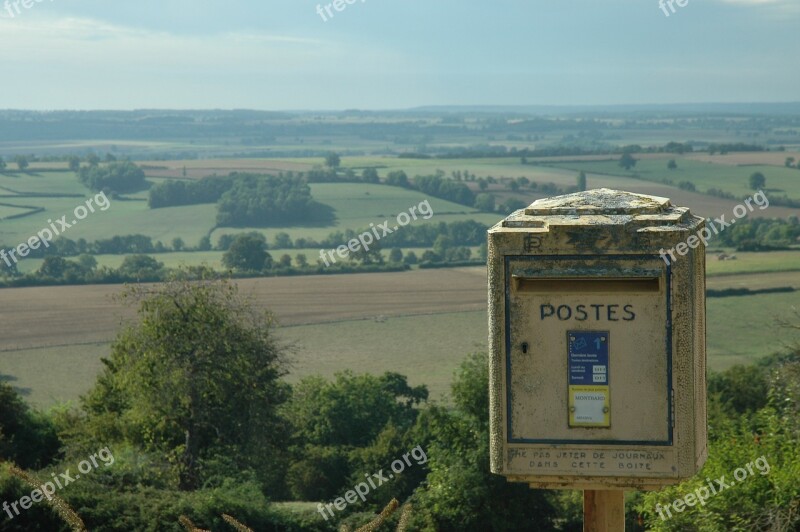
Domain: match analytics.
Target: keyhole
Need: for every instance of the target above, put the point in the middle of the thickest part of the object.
(525, 347)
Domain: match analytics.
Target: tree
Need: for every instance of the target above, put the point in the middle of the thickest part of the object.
(343, 422)
(442, 244)
(74, 163)
(285, 261)
(513, 186)
(261, 200)
(410, 258)
(118, 177)
(672, 165)
(248, 252)
(2, 164)
(757, 181)
(196, 379)
(283, 241)
(93, 159)
(370, 175)
(397, 178)
(87, 262)
(142, 267)
(22, 162)
(789, 162)
(430, 256)
(458, 443)
(373, 256)
(484, 202)
(204, 244)
(26, 438)
(511, 205)
(301, 260)
(483, 184)
(581, 181)
(177, 243)
(53, 267)
(627, 161)
(332, 160)
(396, 255)
(352, 409)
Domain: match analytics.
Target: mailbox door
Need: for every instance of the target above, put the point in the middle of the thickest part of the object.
(588, 350)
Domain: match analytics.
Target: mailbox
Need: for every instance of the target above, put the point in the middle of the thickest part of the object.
(597, 338)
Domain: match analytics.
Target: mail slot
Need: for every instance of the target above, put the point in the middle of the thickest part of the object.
(597, 372)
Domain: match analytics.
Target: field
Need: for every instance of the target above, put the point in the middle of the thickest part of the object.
(355, 205)
(703, 174)
(419, 323)
(777, 261)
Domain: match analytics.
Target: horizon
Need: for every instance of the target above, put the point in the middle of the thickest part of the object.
(476, 107)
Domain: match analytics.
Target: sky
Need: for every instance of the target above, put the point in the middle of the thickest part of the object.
(394, 54)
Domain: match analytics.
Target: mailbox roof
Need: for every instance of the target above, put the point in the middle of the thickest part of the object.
(599, 201)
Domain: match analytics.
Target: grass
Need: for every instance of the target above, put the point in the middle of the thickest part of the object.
(744, 328)
(357, 205)
(426, 348)
(754, 262)
(704, 175)
(51, 375)
(757, 281)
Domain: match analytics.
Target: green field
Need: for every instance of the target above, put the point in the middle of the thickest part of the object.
(704, 175)
(751, 262)
(355, 205)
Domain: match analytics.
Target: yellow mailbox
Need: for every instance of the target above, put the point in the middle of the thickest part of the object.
(597, 340)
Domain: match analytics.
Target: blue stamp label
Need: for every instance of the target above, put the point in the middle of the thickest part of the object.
(588, 357)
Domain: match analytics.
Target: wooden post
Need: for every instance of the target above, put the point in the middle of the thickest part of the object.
(603, 511)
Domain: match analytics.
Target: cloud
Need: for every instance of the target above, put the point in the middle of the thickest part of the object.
(88, 43)
(101, 64)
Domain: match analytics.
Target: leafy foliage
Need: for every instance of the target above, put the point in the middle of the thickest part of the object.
(117, 177)
(460, 485)
(257, 201)
(182, 192)
(26, 438)
(195, 379)
(248, 252)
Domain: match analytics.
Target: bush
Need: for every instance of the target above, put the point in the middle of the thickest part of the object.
(26, 438)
